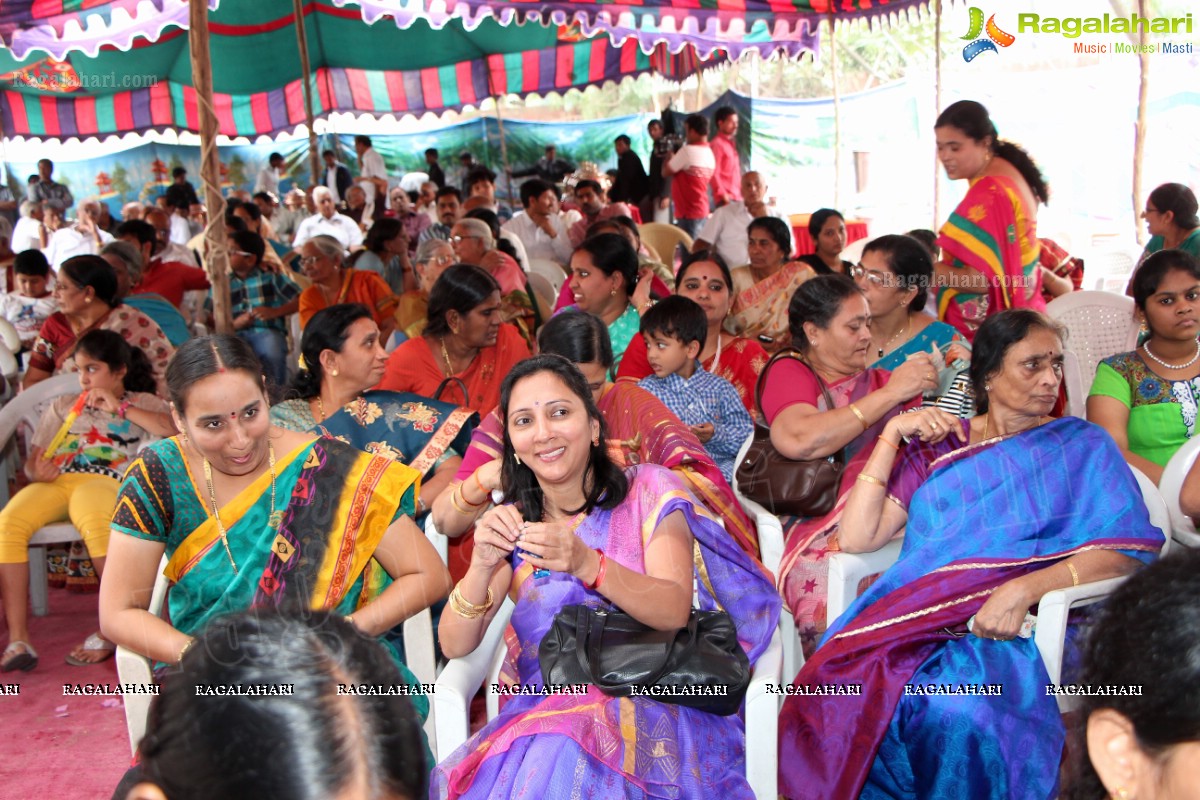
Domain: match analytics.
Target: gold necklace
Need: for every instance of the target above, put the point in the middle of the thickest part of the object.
(275, 518)
(320, 408)
(900, 332)
(446, 356)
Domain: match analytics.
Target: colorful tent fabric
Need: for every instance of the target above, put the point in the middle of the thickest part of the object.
(375, 69)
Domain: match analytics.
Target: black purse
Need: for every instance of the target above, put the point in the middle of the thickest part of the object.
(783, 485)
(700, 666)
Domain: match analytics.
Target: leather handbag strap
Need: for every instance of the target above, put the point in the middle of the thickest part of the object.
(790, 352)
(437, 395)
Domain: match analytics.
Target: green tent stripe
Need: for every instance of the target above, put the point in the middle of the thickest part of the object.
(177, 109)
(449, 81)
(106, 116)
(243, 116)
(581, 73)
(377, 83)
(33, 113)
(514, 71)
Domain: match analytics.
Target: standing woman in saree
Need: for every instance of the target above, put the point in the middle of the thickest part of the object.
(251, 515)
(341, 358)
(989, 245)
(641, 430)
(950, 611)
(763, 288)
(578, 529)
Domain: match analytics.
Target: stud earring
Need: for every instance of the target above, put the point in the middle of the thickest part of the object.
(613, 293)
(333, 373)
(987, 387)
(1121, 793)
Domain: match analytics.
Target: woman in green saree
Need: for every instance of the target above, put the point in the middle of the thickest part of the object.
(251, 515)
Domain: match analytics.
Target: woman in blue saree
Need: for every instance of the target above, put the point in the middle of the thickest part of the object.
(341, 359)
(250, 515)
(583, 531)
(950, 613)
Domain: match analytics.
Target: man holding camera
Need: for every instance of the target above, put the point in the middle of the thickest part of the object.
(656, 204)
(692, 168)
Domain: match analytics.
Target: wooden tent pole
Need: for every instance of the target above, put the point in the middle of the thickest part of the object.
(497, 98)
(216, 258)
(937, 107)
(1139, 131)
(837, 119)
(314, 151)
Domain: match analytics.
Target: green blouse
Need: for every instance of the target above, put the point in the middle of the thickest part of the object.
(1162, 413)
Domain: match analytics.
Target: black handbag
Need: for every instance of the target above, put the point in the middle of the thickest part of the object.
(782, 485)
(700, 666)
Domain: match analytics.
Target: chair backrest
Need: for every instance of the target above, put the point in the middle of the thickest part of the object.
(9, 336)
(1099, 325)
(664, 239)
(1156, 505)
(27, 407)
(1183, 529)
(552, 271)
(543, 289)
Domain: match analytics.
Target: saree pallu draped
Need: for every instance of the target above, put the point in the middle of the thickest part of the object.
(593, 745)
(990, 233)
(905, 630)
(804, 570)
(760, 308)
(642, 430)
(333, 505)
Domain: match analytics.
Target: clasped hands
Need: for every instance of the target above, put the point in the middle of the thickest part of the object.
(544, 545)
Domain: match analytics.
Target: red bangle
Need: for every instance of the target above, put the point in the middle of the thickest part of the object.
(121, 409)
(595, 584)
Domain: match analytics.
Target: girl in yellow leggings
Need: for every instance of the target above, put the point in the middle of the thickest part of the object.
(78, 454)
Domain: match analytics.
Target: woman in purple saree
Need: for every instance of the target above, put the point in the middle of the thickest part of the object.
(635, 540)
(922, 726)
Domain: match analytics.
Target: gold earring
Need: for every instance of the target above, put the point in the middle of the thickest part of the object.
(1121, 793)
(333, 373)
(613, 293)
(596, 440)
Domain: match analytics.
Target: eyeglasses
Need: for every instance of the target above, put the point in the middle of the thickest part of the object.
(459, 239)
(310, 260)
(1150, 210)
(859, 271)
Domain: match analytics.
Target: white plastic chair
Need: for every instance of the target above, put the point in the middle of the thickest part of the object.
(134, 668)
(770, 548)
(26, 410)
(552, 271)
(1183, 530)
(847, 569)
(1099, 325)
(463, 676)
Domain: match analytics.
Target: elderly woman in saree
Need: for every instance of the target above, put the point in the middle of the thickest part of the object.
(951, 611)
(576, 528)
(763, 288)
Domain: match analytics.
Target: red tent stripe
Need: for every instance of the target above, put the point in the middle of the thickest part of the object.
(260, 111)
(629, 56)
(323, 92)
(160, 104)
(50, 116)
(497, 76)
(600, 48)
(466, 84)
(360, 91)
(395, 89)
(18, 119)
(223, 106)
(85, 115)
(41, 9)
(431, 88)
(564, 67)
(531, 70)
(123, 108)
(294, 92)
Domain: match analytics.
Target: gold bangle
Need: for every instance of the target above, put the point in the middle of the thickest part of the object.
(186, 647)
(1074, 573)
(870, 479)
(860, 416)
(895, 447)
(465, 608)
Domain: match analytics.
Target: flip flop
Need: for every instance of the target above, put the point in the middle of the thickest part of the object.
(97, 644)
(24, 662)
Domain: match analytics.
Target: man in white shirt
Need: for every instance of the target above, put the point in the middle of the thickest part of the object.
(270, 175)
(83, 238)
(27, 233)
(726, 228)
(165, 248)
(372, 174)
(540, 227)
(327, 221)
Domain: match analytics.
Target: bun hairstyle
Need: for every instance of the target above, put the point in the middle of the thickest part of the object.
(972, 118)
(818, 300)
(327, 330)
(612, 253)
(313, 744)
(203, 356)
(93, 272)
(1180, 201)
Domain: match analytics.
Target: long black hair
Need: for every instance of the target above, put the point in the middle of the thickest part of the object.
(311, 744)
(461, 288)
(578, 337)
(111, 348)
(326, 330)
(198, 358)
(604, 483)
(972, 119)
(1147, 635)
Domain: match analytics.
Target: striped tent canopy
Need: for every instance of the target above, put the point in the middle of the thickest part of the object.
(375, 69)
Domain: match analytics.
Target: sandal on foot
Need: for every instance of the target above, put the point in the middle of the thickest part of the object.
(93, 644)
(13, 660)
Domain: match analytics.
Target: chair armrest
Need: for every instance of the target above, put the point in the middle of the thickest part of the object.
(762, 721)
(134, 668)
(1053, 609)
(846, 570)
(459, 681)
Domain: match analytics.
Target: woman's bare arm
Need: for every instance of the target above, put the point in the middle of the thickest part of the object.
(419, 577)
(129, 575)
